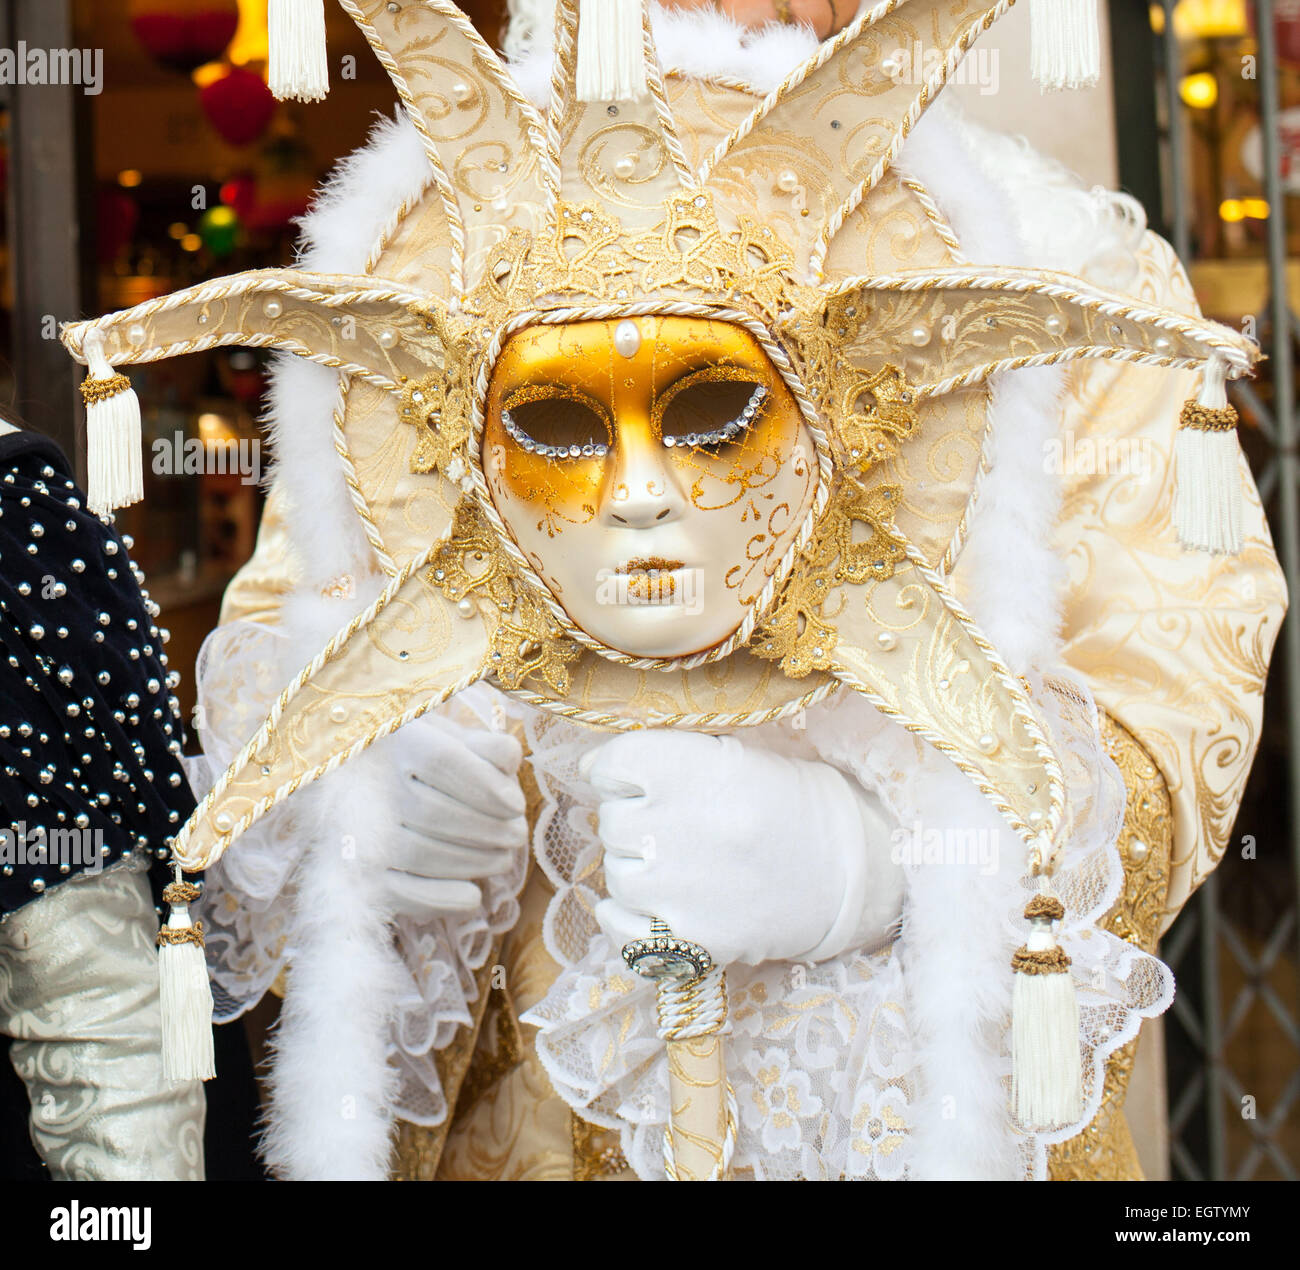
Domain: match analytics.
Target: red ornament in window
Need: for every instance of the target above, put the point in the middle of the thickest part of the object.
(239, 105)
(184, 34)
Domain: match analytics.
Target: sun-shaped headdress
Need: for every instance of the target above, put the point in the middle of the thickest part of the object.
(638, 202)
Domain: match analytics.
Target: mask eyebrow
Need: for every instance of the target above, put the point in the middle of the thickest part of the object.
(563, 356)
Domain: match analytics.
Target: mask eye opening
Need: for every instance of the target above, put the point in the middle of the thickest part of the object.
(557, 421)
(710, 407)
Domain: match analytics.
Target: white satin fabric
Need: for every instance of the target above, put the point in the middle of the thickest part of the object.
(79, 995)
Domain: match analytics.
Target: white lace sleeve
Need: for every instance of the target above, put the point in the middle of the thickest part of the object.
(245, 906)
(250, 896)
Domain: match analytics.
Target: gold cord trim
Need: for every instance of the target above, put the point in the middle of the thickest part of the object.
(94, 391)
(180, 893)
(1047, 961)
(181, 935)
(1045, 906)
(1208, 418)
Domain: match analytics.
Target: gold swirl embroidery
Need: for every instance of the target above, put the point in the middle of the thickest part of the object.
(526, 642)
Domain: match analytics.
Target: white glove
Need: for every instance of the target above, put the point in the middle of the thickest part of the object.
(755, 856)
(459, 816)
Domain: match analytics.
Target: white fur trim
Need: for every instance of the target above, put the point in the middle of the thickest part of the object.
(352, 208)
(332, 1085)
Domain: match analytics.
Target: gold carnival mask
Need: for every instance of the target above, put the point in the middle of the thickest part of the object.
(625, 427)
(652, 470)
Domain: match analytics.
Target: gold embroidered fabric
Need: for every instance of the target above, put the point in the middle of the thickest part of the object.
(513, 1126)
(1104, 1151)
(1174, 644)
(257, 591)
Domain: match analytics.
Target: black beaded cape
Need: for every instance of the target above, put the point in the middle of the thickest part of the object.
(90, 733)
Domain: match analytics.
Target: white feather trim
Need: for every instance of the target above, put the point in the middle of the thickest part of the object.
(1019, 501)
(333, 1089)
(352, 208)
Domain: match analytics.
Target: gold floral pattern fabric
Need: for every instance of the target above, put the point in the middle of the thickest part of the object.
(1174, 644)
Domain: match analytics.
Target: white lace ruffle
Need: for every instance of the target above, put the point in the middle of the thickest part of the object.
(826, 1066)
(819, 1057)
(249, 899)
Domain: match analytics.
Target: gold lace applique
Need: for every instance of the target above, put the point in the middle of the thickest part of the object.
(527, 641)
(797, 634)
(688, 249)
(583, 255)
(438, 404)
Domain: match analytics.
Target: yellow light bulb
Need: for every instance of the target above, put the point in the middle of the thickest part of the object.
(1199, 91)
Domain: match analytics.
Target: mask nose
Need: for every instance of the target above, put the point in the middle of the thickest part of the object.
(643, 490)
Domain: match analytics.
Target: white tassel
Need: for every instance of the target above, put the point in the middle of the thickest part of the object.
(611, 51)
(1064, 43)
(115, 468)
(1046, 1072)
(299, 60)
(1207, 458)
(187, 1046)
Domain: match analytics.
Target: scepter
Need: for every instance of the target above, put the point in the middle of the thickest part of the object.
(700, 1137)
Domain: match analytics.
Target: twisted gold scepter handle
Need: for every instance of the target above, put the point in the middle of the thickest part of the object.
(700, 1139)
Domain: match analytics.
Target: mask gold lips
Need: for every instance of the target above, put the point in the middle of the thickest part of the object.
(650, 579)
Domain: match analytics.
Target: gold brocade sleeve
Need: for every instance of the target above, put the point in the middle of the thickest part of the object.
(1175, 644)
(260, 587)
(1104, 1151)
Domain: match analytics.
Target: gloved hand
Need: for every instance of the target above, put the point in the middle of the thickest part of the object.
(459, 814)
(755, 856)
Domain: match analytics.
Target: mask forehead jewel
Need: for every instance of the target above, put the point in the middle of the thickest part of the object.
(627, 338)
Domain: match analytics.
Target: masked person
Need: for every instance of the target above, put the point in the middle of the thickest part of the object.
(701, 432)
(93, 790)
